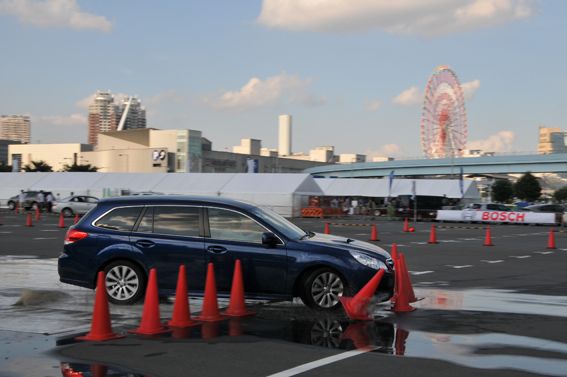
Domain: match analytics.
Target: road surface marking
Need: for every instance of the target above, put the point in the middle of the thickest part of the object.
(419, 243)
(319, 363)
(398, 245)
(45, 238)
(459, 267)
(543, 252)
(471, 239)
(449, 241)
(492, 261)
(50, 230)
(6, 232)
(420, 272)
(520, 256)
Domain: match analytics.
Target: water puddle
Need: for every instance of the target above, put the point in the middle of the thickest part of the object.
(95, 370)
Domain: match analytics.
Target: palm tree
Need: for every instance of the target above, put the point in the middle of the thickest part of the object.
(83, 168)
(41, 166)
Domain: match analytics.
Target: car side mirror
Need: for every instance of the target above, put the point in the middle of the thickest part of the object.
(270, 239)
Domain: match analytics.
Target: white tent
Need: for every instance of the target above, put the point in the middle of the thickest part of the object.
(284, 193)
(378, 188)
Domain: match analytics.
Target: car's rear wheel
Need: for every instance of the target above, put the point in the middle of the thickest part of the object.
(67, 212)
(322, 289)
(11, 205)
(125, 282)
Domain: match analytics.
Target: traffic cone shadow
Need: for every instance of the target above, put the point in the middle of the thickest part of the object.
(210, 311)
(237, 306)
(235, 327)
(374, 233)
(432, 235)
(359, 335)
(151, 322)
(488, 237)
(98, 370)
(181, 311)
(551, 240)
(101, 329)
(209, 330)
(400, 341)
(357, 307)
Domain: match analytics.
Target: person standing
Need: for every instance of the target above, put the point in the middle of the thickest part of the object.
(21, 200)
(49, 201)
(41, 201)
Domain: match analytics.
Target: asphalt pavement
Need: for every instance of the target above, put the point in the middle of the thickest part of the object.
(484, 311)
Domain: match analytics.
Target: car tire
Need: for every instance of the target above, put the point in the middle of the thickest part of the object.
(11, 205)
(125, 282)
(322, 288)
(67, 212)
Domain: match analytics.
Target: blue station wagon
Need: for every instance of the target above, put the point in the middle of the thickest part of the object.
(128, 236)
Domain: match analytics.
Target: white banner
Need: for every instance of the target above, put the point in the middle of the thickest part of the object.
(496, 217)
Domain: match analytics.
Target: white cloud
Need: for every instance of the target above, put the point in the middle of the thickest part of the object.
(64, 120)
(469, 88)
(373, 105)
(386, 150)
(409, 97)
(257, 93)
(499, 142)
(54, 13)
(428, 17)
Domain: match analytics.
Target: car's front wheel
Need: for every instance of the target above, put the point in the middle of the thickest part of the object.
(11, 205)
(125, 282)
(67, 212)
(322, 289)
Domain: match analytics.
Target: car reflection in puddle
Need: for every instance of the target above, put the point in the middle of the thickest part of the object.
(94, 370)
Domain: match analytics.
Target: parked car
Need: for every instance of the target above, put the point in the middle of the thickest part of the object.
(31, 200)
(487, 207)
(125, 237)
(75, 205)
(558, 209)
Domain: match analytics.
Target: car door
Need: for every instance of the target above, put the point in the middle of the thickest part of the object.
(234, 235)
(169, 236)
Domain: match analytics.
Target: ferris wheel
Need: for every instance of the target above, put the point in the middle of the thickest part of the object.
(444, 119)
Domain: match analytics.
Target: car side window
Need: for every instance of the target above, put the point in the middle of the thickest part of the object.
(233, 226)
(177, 221)
(122, 219)
(146, 224)
(492, 207)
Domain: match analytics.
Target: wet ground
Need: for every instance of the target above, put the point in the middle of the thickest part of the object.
(484, 311)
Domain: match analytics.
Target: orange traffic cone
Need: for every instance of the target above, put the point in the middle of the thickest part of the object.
(151, 322)
(357, 307)
(61, 221)
(29, 220)
(76, 219)
(17, 209)
(401, 299)
(488, 237)
(237, 307)
(394, 252)
(374, 233)
(406, 225)
(209, 330)
(101, 329)
(181, 312)
(407, 281)
(551, 239)
(432, 235)
(235, 327)
(327, 229)
(37, 214)
(210, 312)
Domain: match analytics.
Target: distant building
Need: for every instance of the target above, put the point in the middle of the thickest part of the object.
(56, 155)
(284, 133)
(105, 115)
(4, 150)
(351, 158)
(15, 128)
(551, 140)
(248, 146)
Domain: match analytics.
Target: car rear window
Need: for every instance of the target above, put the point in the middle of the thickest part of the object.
(122, 219)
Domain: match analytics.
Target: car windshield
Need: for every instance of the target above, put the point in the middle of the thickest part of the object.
(289, 229)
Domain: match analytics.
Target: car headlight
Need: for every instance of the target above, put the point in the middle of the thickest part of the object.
(367, 261)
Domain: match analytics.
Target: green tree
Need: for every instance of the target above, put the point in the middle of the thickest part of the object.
(5, 168)
(41, 166)
(502, 191)
(561, 194)
(527, 188)
(80, 167)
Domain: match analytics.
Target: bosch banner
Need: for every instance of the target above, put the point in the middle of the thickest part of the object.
(496, 217)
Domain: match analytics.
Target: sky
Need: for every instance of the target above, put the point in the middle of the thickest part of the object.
(352, 73)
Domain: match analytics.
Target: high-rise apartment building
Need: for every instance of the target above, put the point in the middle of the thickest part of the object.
(105, 115)
(551, 140)
(102, 115)
(15, 127)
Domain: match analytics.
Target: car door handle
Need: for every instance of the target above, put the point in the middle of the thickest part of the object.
(217, 249)
(145, 243)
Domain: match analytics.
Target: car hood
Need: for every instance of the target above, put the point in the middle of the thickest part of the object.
(328, 240)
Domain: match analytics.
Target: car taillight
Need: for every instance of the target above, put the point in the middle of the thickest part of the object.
(74, 235)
